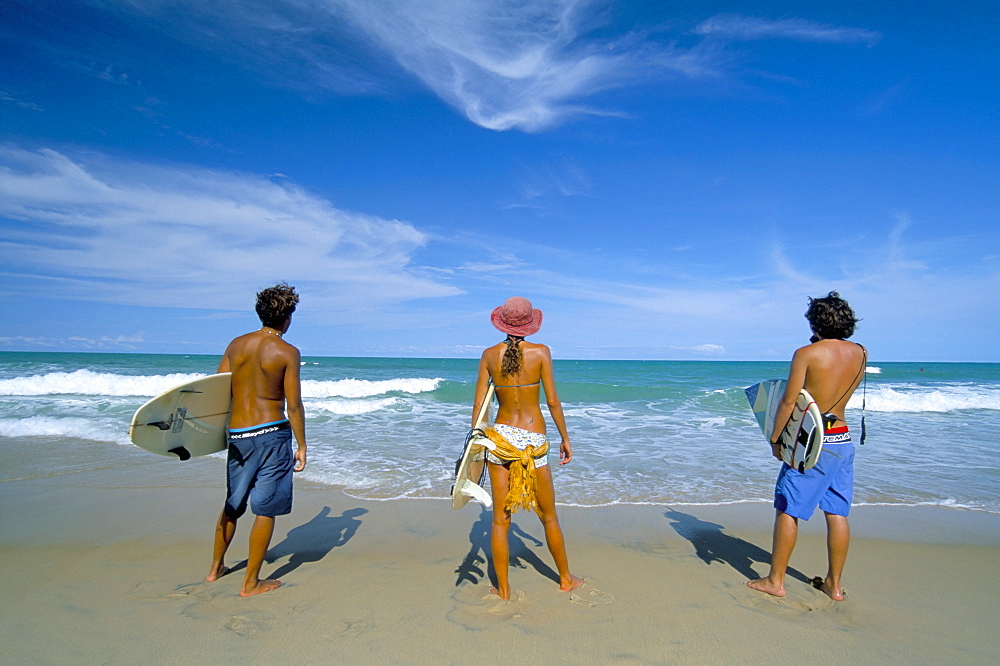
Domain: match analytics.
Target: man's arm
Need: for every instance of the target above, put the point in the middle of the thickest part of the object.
(796, 380)
(224, 363)
(294, 409)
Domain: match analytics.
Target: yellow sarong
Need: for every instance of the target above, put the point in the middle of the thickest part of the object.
(522, 485)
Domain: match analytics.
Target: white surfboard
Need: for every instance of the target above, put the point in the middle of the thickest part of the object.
(187, 421)
(802, 438)
(471, 467)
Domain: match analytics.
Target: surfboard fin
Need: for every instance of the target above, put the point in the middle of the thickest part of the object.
(476, 492)
(180, 452)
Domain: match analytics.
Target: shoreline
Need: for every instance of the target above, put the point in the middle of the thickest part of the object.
(108, 564)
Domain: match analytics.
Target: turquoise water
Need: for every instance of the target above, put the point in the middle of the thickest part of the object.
(658, 432)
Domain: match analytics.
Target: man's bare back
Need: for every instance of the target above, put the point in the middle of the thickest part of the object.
(830, 370)
(265, 376)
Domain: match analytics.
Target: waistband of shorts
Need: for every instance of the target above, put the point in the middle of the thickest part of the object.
(260, 429)
(841, 435)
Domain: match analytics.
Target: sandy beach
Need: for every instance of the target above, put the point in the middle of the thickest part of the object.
(105, 564)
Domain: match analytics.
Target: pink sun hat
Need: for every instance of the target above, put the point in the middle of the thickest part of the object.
(517, 317)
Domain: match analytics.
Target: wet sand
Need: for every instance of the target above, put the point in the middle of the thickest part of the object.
(105, 563)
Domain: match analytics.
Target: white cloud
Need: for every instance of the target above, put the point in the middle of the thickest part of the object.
(706, 349)
(749, 28)
(524, 64)
(105, 342)
(505, 64)
(8, 97)
(98, 229)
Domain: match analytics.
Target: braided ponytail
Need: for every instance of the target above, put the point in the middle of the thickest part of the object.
(511, 363)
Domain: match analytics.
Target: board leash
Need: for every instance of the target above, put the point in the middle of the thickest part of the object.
(864, 397)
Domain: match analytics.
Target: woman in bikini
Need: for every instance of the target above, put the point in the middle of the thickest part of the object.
(518, 370)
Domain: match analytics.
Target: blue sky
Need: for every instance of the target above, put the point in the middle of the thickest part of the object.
(663, 180)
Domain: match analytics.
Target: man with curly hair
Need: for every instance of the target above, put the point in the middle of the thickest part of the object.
(265, 382)
(830, 369)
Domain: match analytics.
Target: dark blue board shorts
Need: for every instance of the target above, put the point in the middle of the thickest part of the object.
(829, 485)
(260, 470)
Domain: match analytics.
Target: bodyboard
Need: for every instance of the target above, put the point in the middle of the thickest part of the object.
(187, 421)
(802, 438)
(471, 467)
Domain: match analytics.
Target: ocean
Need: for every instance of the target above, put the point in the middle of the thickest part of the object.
(643, 432)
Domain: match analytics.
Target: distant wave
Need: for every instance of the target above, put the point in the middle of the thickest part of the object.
(922, 399)
(87, 382)
(873, 370)
(945, 503)
(348, 407)
(73, 428)
(363, 388)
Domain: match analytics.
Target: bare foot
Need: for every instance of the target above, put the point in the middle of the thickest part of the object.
(495, 591)
(261, 587)
(573, 583)
(216, 573)
(837, 594)
(766, 586)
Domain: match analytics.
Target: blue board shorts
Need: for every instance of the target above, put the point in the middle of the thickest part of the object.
(260, 469)
(829, 485)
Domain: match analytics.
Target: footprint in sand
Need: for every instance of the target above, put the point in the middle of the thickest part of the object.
(504, 608)
(476, 608)
(157, 590)
(792, 604)
(354, 628)
(590, 598)
(149, 590)
(197, 590)
(243, 625)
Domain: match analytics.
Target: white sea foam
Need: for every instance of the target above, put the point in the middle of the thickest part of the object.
(348, 407)
(948, 503)
(924, 399)
(74, 428)
(363, 388)
(873, 370)
(87, 382)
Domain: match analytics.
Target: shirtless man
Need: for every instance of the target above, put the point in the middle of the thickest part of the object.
(265, 382)
(830, 368)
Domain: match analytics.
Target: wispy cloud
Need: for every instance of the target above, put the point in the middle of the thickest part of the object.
(8, 97)
(527, 65)
(175, 236)
(524, 65)
(749, 28)
(114, 343)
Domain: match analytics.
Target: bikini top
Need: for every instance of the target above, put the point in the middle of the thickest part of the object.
(518, 385)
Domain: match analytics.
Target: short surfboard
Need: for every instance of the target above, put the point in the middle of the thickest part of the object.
(802, 438)
(471, 467)
(187, 421)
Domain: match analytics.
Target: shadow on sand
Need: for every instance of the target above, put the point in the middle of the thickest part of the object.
(478, 562)
(312, 541)
(712, 544)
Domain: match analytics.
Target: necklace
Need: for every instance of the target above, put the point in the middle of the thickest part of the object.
(267, 330)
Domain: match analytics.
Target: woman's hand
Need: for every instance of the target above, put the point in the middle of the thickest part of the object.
(565, 452)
